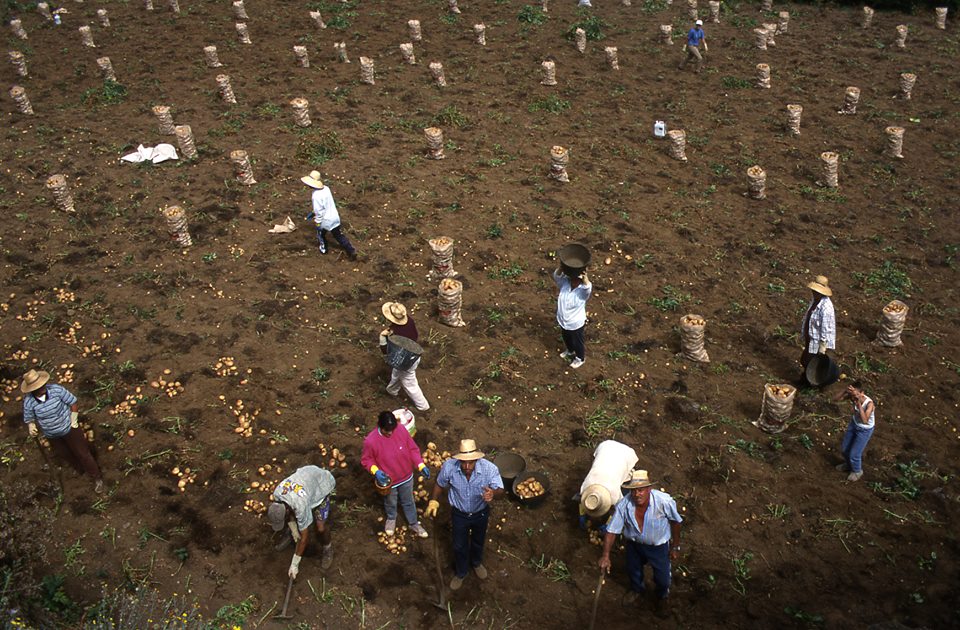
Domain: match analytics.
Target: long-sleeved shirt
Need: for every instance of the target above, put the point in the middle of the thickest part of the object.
(571, 303)
(612, 463)
(396, 455)
(52, 415)
(325, 213)
(465, 494)
(304, 490)
(408, 330)
(656, 520)
(820, 324)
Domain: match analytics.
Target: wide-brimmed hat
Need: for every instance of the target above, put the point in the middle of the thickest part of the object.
(395, 312)
(277, 515)
(34, 380)
(638, 479)
(821, 286)
(312, 180)
(468, 451)
(596, 501)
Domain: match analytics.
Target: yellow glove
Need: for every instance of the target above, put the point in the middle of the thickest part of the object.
(432, 508)
(74, 419)
(32, 429)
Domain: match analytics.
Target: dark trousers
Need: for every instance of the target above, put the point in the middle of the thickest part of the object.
(74, 448)
(469, 534)
(658, 556)
(337, 234)
(573, 340)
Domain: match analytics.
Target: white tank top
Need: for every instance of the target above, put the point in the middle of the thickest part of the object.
(870, 421)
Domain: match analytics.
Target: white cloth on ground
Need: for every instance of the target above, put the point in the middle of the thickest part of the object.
(157, 154)
(283, 228)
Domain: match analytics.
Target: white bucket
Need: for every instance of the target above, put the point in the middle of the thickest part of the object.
(405, 417)
(659, 129)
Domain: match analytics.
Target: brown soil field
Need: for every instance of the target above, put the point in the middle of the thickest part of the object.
(773, 534)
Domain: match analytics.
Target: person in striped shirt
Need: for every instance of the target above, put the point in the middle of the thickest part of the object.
(650, 524)
(54, 410)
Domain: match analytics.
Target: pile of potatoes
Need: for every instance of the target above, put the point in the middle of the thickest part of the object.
(780, 391)
(530, 488)
(442, 241)
(20, 355)
(694, 321)
(64, 295)
(244, 417)
(185, 476)
(895, 307)
(433, 458)
(71, 335)
(127, 408)
(67, 376)
(225, 366)
(170, 388)
(33, 306)
(337, 458)
(395, 544)
(252, 505)
(596, 538)
(448, 284)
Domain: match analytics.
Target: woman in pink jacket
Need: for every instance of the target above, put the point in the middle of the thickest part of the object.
(391, 455)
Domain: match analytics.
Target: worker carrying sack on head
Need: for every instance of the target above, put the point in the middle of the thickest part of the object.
(301, 500)
(600, 490)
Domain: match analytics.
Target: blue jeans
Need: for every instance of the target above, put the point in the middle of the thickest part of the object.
(658, 556)
(404, 492)
(854, 443)
(469, 534)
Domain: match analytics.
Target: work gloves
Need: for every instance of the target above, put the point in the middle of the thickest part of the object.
(432, 508)
(822, 347)
(424, 472)
(74, 419)
(382, 478)
(294, 567)
(32, 429)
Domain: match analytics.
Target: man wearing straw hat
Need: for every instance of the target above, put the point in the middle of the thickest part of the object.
(392, 457)
(55, 410)
(402, 325)
(650, 524)
(819, 327)
(325, 215)
(601, 488)
(299, 501)
(472, 483)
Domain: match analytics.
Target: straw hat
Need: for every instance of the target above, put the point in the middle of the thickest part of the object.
(820, 285)
(596, 501)
(395, 312)
(312, 180)
(277, 515)
(34, 380)
(468, 451)
(638, 479)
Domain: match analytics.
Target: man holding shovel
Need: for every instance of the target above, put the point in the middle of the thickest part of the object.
(472, 484)
(301, 500)
(650, 524)
(55, 410)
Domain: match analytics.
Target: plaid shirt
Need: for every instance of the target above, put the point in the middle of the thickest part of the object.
(823, 325)
(467, 494)
(53, 414)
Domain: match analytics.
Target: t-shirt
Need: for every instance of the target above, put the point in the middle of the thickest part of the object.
(304, 490)
(695, 35)
(52, 415)
(571, 303)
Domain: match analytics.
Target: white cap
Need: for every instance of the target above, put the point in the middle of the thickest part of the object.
(699, 22)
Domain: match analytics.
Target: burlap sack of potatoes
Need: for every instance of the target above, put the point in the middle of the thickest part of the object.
(776, 407)
(692, 330)
(894, 319)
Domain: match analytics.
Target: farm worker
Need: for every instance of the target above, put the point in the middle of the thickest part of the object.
(650, 524)
(859, 431)
(819, 327)
(600, 490)
(325, 215)
(55, 410)
(472, 484)
(695, 37)
(402, 324)
(301, 500)
(572, 314)
(392, 457)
